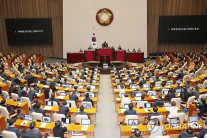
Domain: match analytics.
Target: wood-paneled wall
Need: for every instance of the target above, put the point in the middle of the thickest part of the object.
(33, 9)
(158, 8)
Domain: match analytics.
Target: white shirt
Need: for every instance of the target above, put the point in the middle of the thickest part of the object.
(172, 110)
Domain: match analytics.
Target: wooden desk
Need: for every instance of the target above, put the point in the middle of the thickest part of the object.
(2, 122)
(4, 86)
(22, 107)
(41, 98)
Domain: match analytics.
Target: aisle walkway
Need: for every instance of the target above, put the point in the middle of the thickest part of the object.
(106, 116)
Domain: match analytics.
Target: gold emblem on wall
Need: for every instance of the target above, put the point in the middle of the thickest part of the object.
(104, 17)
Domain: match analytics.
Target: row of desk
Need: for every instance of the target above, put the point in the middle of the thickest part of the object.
(94, 55)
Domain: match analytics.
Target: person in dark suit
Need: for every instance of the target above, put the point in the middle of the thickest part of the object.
(196, 92)
(46, 92)
(73, 96)
(58, 130)
(181, 75)
(87, 98)
(105, 45)
(203, 131)
(12, 128)
(3, 103)
(187, 134)
(22, 92)
(30, 79)
(75, 89)
(170, 95)
(130, 111)
(54, 100)
(82, 77)
(155, 113)
(38, 110)
(31, 95)
(16, 80)
(82, 111)
(12, 89)
(159, 102)
(142, 81)
(184, 94)
(202, 107)
(137, 134)
(63, 109)
(33, 132)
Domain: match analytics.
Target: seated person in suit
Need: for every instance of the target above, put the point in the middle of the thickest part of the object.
(142, 97)
(47, 92)
(3, 103)
(170, 95)
(58, 130)
(155, 109)
(139, 50)
(203, 131)
(105, 45)
(133, 51)
(22, 92)
(12, 128)
(87, 98)
(64, 109)
(159, 102)
(137, 134)
(12, 89)
(180, 75)
(75, 89)
(31, 94)
(130, 111)
(119, 48)
(31, 132)
(39, 110)
(187, 134)
(81, 50)
(82, 111)
(16, 80)
(73, 96)
(202, 106)
(142, 81)
(54, 100)
(184, 95)
(89, 48)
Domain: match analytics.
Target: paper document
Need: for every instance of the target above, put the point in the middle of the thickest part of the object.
(24, 122)
(153, 97)
(84, 127)
(47, 108)
(146, 110)
(118, 99)
(123, 110)
(138, 98)
(60, 97)
(43, 124)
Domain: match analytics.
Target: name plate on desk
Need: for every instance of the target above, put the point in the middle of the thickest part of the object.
(105, 66)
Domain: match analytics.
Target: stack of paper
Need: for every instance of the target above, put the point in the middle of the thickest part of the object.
(84, 127)
(153, 97)
(43, 125)
(123, 110)
(47, 107)
(60, 97)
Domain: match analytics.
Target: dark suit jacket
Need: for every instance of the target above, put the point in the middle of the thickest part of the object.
(55, 100)
(159, 103)
(46, 92)
(180, 75)
(30, 79)
(184, 96)
(22, 93)
(34, 132)
(73, 97)
(15, 130)
(63, 110)
(8, 108)
(89, 100)
(170, 96)
(83, 113)
(59, 131)
(152, 114)
(40, 111)
(130, 112)
(31, 96)
(202, 133)
(16, 80)
(185, 136)
(12, 90)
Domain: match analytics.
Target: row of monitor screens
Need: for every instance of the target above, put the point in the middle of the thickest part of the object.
(47, 119)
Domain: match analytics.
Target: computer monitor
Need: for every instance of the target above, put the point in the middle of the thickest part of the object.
(6, 97)
(28, 117)
(68, 86)
(200, 86)
(49, 103)
(38, 82)
(167, 104)
(53, 78)
(95, 76)
(133, 86)
(86, 105)
(40, 91)
(126, 106)
(75, 75)
(116, 76)
(145, 74)
(93, 87)
(85, 121)
(93, 81)
(174, 120)
(85, 76)
(178, 90)
(46, 119)
(66, 121)
(146, 85)
(168, 83)
(132, 122)
(193, 119)
(80, 86)
(91, 95)
(157, 84)
(151, 122)
(151, 79)
(68, 105)
(72, 80)
(151, 93)
(165, 92)
(160, 77)
(57, 84)
(77, 71)
(63, 94)
(147, 105)
(117, 80)
(82, 80)
(20, 100)
(62, 79)
(178, 81)
(78, 94)
(126, 76)
(122, 95)
(138, 94)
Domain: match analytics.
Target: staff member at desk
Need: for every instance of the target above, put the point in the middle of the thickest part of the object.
(12, 128)
(202, 107)
(31, 132)
(38, 110)
(59, 131)
(73, 96)
(54, 100)
(88, 99)
(63, 109)
(130, 111)
(155, 109)
(170, 95)
(82, 112)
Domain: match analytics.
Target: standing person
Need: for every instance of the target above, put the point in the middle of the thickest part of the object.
(12, 128)
(58, 130)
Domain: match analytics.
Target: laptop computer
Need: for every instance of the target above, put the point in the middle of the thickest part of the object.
(158, 84)
(92, 87)
(49, 103)
(85, 121)
(193, 122)
(91, 95)
(20, 100)
(147, 105)
(28, 117)
(166, 104)
(65, 121)
(86, 105)
(80, 86)
(151, 93)
(133, 123)
(151, 79)
(63, 94)
(174, 122)
(165, 92)
(168, 83)
(126, 106)
(46, 119)
(146, 85)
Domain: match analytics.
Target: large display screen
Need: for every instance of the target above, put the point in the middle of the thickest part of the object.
(183, 29)
(29, 31)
